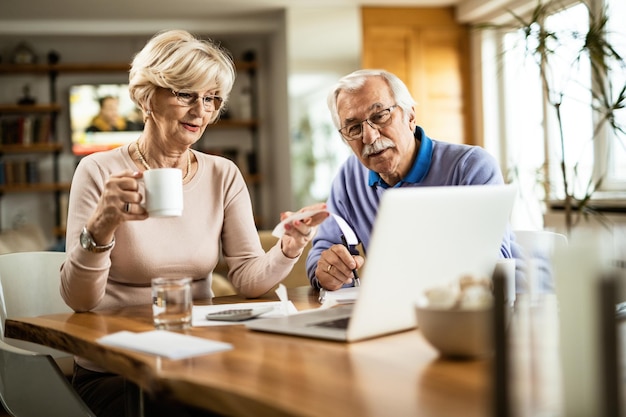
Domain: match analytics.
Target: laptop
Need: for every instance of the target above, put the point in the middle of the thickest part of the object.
(422, 237)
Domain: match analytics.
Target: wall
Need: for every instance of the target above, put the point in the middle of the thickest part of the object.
(317, 149)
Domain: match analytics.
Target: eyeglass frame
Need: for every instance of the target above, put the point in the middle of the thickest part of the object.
(212, 99)
(372, 124)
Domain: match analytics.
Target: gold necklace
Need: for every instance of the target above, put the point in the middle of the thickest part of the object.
(143, 161)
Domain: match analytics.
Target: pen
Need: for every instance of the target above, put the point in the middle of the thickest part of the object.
(356, 282)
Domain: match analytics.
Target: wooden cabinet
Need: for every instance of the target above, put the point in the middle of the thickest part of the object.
(429, 51)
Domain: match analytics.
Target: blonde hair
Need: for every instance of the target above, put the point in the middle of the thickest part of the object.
(177, 60)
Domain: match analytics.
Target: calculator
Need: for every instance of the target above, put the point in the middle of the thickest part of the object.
(237, 314)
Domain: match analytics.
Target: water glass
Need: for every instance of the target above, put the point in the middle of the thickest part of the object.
(171, 303)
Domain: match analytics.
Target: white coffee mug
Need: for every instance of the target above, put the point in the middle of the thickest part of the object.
(164, 192)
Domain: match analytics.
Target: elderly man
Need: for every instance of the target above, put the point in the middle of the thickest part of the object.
(374, 113)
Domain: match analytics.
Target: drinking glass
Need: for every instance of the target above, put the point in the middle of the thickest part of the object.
(171, 303)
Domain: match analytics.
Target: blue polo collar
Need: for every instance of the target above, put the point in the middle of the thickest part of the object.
(420, 166)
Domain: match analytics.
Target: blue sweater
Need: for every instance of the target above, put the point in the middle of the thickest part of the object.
(356, 191)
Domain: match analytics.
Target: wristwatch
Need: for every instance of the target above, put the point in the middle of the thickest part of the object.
(87, 242)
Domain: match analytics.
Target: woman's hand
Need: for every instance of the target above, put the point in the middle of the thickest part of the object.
(120, 202)
(300, 232)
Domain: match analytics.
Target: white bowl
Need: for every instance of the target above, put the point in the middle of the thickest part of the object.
(459, 333)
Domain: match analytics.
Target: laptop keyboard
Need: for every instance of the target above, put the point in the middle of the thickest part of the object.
(341, 323)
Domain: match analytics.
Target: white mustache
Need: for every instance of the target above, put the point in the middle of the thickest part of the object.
(378, 146)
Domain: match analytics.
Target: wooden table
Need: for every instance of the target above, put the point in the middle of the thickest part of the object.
(275, 375)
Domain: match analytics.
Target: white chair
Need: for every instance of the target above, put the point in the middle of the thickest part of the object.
(33, 378)
(537, 247)
(29, 286)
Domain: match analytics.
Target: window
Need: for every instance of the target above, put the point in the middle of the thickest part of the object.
(527, 115)
(616, 178)
(317, 148)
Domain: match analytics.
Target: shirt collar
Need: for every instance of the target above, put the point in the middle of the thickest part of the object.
(420, 167)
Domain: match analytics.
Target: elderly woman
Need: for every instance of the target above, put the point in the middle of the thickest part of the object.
(114, 249)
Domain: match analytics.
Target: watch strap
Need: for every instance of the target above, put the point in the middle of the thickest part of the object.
(88, 243)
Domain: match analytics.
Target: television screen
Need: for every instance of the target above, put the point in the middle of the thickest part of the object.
(102, 117)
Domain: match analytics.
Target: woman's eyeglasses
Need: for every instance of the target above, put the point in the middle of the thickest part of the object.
(189, 99)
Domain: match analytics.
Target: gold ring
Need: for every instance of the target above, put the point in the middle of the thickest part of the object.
(329, 268)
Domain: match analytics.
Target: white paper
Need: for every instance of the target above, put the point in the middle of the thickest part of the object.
(347, 231)
(279, 309)
(281, 292)
(279, 230)
(164, 343)
(345, 295)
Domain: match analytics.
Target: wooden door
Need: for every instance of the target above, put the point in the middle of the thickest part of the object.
(428, 50)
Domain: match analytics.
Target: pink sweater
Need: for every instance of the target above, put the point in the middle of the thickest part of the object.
(217, 217)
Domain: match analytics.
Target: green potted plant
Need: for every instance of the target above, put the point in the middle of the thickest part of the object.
(545, 45)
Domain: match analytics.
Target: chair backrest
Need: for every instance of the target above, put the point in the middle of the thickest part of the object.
(31, 385)
(29, 286)
(297, 277)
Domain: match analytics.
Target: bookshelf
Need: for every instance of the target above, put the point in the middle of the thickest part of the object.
(28, 136)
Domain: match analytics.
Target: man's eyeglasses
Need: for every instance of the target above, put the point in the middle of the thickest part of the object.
(377, 120)
(189, 99)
